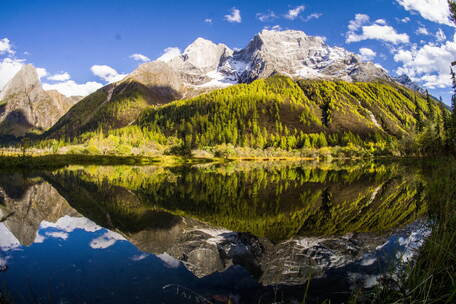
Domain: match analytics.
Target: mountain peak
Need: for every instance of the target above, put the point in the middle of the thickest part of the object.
(204, 55)
(289, 36)
(25, 79)
(205, 64)
(199, 43)
(266, 32)
(296, 54)
(28, 68)
(26, 106)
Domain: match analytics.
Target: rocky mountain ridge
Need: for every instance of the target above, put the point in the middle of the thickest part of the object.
(204, 64)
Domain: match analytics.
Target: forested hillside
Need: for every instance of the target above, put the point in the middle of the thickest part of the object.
(111, 107)
(276, 112)
(279, 112)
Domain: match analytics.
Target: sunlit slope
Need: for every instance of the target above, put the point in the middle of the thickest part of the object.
(272, 112)
(111, 107)
(281, 112)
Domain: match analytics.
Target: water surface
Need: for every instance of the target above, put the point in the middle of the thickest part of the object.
(241, 232)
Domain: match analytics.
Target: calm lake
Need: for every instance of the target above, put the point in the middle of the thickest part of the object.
(249, 232)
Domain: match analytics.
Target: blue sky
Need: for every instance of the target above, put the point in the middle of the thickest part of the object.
(411, 36)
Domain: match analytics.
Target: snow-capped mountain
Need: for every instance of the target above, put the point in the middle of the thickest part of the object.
(204, 64)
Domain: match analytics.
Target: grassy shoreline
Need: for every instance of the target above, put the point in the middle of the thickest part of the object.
(54, 161)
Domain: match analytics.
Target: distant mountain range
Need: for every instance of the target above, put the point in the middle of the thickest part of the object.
(204, 64)
(202, 67)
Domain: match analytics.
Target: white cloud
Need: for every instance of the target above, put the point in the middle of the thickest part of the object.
(379, 32)
(60, 77)
(359, 31)
(276, 28)
(71, 88)
(208, 20)
(139, 57)
(428, 64)
(312, 16)
(404, 20)
(432, 10)
(70, 223)
(234, 16)
(356, 23)
(265, 17)
(57, 235)
(106, 73)
(39, 238)
(139, 257)
(367, 53)
(4, 261)
(41, 72)
(64, 85)
(403, 56)
(380, 21)
(422, 30)
(8, 68)
(168, 260)
(440, 35)
(106, 240)
(6, 47)
(169, 53)
(294, 13)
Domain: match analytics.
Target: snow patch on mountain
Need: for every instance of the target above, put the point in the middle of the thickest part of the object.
(218, 80)
(205, 64)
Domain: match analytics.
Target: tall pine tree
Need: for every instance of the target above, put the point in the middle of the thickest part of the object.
(451, 125)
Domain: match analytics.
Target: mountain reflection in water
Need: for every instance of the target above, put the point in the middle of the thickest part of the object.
(241, 232)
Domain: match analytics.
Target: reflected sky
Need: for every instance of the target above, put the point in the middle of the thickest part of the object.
(75, 260)
(130, 235)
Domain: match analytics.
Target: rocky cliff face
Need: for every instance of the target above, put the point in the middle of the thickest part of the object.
(301, 56)
(205, 65)
(25, 106)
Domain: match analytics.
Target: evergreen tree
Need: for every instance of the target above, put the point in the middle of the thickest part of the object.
(451, 124)
(430, 106)
(419, 122)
